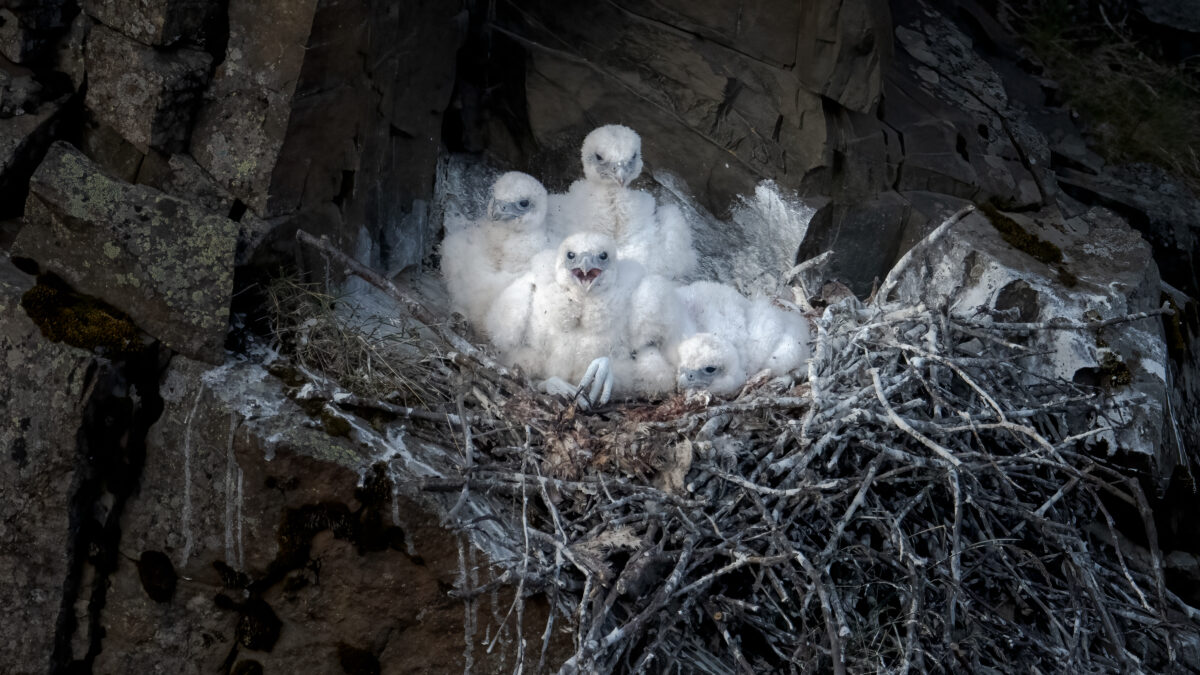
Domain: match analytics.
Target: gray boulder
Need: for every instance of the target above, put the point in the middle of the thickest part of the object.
(1042, 267)
(45, 389)
(149, 96)
(163, 261)
(157, 22)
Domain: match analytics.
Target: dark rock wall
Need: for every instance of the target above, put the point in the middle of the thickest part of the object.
(154, 524)
(723, 94)
(205, 133)
(43, 393)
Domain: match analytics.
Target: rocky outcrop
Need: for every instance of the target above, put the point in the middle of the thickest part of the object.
(147, 95)
(163, 261)
(1043, 268)
(340, 103)
(1167, 215)
(279, 541)
(245, 531)
(158, 23)
(723, 96)
(45, 389)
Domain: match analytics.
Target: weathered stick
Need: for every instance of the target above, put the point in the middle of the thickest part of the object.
(893, 276)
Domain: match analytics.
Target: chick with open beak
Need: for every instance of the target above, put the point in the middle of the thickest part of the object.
(585, 261)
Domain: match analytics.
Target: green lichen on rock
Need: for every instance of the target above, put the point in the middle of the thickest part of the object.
(80, 321)
(166, 263)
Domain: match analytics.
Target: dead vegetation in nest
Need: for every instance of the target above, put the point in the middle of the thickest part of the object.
(927, 504)
(366, 354)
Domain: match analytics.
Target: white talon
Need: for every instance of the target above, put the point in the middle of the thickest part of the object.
(597, 382)
(556, 386)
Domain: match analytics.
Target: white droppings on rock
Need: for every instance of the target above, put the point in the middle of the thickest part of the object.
(186, 515)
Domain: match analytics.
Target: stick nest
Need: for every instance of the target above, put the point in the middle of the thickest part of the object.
(922, 503)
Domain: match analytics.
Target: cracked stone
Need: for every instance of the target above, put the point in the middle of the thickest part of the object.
(164, 262)
(149, 96)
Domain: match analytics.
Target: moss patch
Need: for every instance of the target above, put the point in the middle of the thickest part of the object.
(1020, 238)
(65, 316)
(1027, 242)
(335, 425)
(1113, 371)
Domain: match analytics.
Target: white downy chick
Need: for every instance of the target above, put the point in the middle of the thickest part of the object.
(567, 319)
(736, 337)
(657, 236)
(658, 321)
(709, 362)
(778, 340)
(482, 260)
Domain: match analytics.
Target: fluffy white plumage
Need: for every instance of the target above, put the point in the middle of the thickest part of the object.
(658, 321)
(657, 236)
(735, 337)
(778, 340)
(582, 304)
(483, 259)
(708, 361)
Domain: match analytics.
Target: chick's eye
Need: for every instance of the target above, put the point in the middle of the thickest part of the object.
(524, 203)
(570, 255)
(604, 255)
(710, 370)
(599, 158)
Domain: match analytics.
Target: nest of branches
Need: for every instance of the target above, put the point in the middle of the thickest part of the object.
(923, 503)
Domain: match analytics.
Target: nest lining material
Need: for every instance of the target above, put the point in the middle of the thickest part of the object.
(921, 504)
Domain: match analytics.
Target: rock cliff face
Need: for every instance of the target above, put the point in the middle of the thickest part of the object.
(167, 507)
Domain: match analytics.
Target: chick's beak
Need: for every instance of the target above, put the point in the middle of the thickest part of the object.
(625, 174)
(587, 271)
(499, 211)
(685, 381)
(586, 274)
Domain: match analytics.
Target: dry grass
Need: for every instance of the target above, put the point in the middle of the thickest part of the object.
(1138, 105)
(365, 354)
